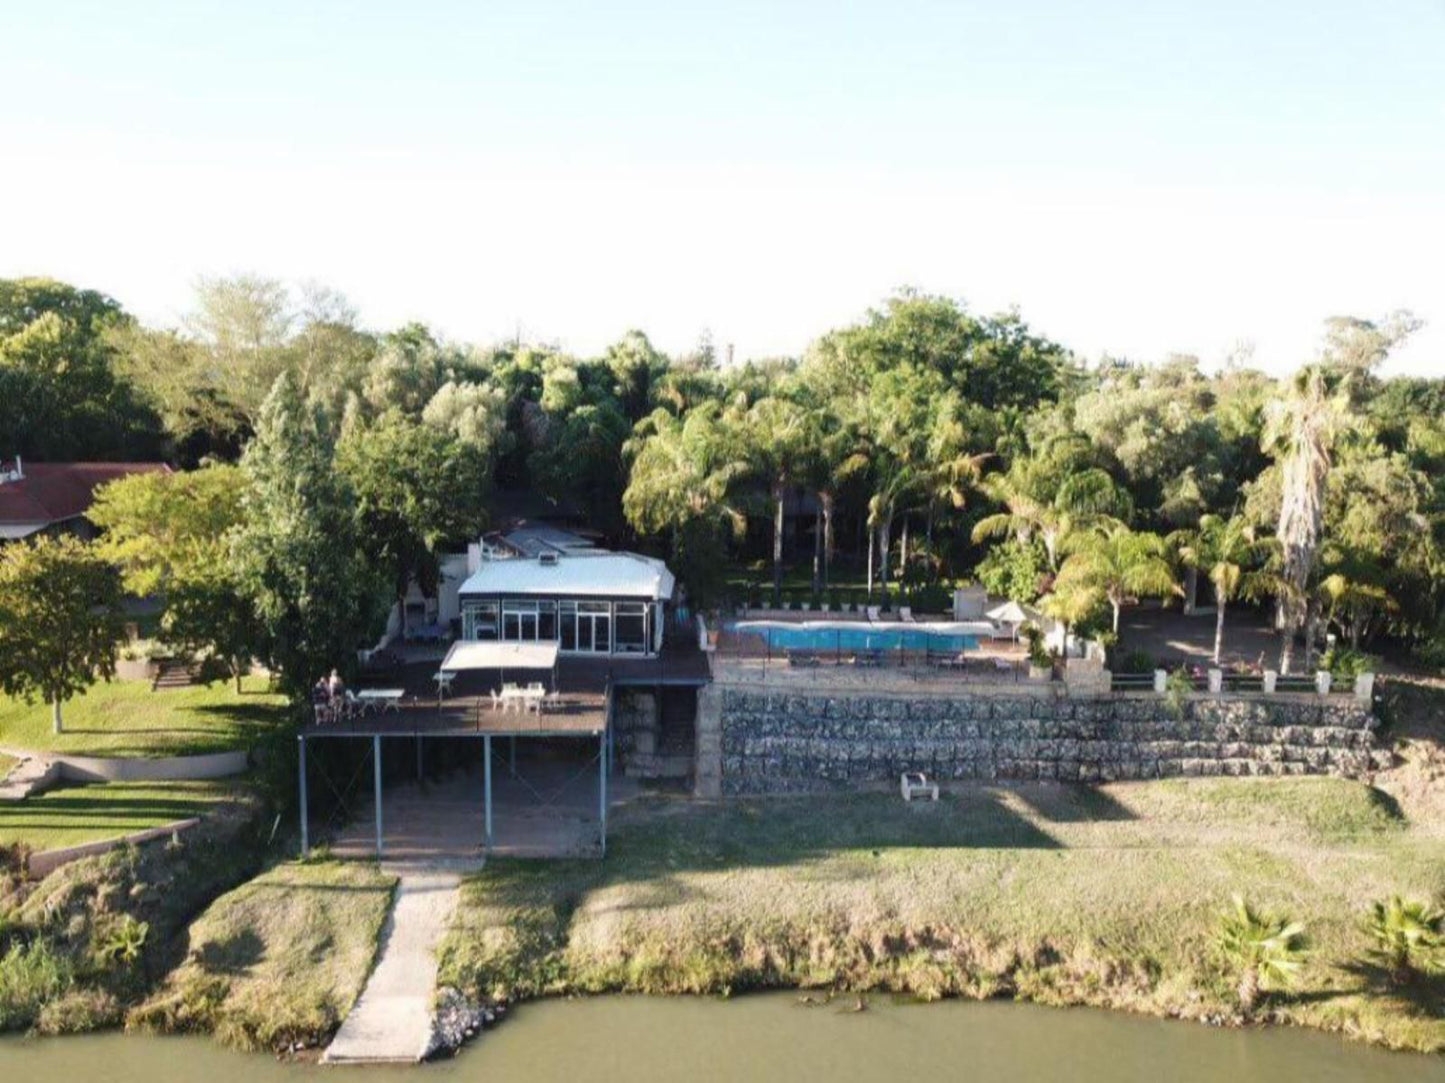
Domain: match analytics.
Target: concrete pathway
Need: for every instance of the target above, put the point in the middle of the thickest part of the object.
(391, 1022)
(31, 775)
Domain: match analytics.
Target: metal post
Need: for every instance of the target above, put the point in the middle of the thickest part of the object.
(512, 755)
(376, 771)
(418, 757)
(487, 784)
(301, 772)
(602, 790)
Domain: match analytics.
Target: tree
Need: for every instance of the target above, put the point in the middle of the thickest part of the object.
(1014, 570)
(1121, 563)
(1266, 949)
(59, 620)
(683, 472)
(774, 436)
(208, 611)
(157, 523)
(1226, 550)
(244, 324)
(1301, 432)
(416, 488)
(298, 555)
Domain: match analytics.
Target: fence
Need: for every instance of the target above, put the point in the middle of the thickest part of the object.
(1247, 683)
(832, 649)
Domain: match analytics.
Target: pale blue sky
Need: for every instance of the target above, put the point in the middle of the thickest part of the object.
(1137, 178)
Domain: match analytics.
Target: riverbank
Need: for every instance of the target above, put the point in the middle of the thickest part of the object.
(1102, 896)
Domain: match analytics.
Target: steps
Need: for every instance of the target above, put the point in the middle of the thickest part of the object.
(173, 673)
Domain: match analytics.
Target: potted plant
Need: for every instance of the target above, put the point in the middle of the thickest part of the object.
(1041, 666)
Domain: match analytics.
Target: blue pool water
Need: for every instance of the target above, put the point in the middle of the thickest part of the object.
(861, 637)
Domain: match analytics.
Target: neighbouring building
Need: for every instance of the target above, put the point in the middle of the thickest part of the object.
(38, 498)
(543, 584)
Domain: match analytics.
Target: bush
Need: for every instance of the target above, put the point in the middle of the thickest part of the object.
(1135, 661)
(1345, 663)
(31, 975)
(1266, 949)
(1407, 936)
(1431, 652)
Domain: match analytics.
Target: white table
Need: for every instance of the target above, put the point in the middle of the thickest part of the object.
(381, 699)
(522, 699)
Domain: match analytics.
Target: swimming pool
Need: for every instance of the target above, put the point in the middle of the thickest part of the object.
(940, 637)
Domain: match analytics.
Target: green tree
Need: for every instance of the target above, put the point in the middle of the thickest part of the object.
(208, 612)
(416, 489)
(1266, 950)
(1230, 554)
(775, 436)
(157, 523)
(297, 554)
(1121, 563)
(59, 620)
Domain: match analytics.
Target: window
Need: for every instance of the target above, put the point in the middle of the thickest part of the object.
(567, 620)
(479, 620)
(631, 627)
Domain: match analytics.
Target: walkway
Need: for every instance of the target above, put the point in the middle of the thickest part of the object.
(391, 1022)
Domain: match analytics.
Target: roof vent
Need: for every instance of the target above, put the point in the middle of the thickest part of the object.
(547, 559)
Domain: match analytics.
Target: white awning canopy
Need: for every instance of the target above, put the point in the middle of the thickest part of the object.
(489, 654)
(1009, 613)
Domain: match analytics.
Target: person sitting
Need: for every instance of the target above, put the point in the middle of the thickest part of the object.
(335, 686)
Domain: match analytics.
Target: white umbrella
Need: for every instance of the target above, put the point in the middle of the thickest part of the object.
(1010, 613)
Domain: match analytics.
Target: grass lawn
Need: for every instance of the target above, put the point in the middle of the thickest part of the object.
(1107, 896)
(279, 960)
(125, 718)
(75, 814)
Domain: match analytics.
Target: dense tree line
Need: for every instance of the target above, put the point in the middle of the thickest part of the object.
(326, 465)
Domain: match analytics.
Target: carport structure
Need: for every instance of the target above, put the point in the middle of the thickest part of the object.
(581, 715)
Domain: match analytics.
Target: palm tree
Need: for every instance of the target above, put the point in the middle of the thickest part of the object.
(1071, 603)
(1268, 949)
(775, 434)
(683, 472)
(1406, 934)
(1352, 602)
(1301, 430)
(1225, 550)
(1051, 494)
(1119, 563)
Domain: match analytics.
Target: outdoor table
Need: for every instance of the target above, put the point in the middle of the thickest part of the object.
(381, 699)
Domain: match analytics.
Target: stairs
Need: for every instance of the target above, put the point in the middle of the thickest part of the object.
(173, 673)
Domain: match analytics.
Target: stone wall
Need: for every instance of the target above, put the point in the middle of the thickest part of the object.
(784, 741)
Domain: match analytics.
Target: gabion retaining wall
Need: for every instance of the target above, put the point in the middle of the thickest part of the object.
(787, 742)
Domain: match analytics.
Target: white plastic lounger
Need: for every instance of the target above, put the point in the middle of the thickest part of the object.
(915, 784)
(905, 612)
(874, 612)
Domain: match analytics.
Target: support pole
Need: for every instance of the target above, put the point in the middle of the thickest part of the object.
(512, 755)
(602, 789)
(487, 784)
(376, 771)
(418, 757)
(301, 774)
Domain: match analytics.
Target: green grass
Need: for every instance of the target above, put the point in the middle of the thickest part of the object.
(279, 960)
(76, 814)
(1060, 894)
(125, 718)
(6, 763)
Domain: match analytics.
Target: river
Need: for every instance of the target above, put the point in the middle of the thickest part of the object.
(770, 1038)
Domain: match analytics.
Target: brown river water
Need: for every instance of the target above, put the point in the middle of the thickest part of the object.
(771, 1039)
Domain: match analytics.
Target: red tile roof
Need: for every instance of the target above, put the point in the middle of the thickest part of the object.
(53, 492)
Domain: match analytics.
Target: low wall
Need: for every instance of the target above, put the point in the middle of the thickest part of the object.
(43, 863)
(772, 740)
(164, 769)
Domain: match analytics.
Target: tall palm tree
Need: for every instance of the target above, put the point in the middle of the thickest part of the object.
(776, 439)
(1050, 495)
(1120, 563)
(1301, 430)
(683, 471)
(1226, 550)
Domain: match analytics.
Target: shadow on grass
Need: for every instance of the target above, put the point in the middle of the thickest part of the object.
(1072, 803)
(1419, 993)
(235, 955)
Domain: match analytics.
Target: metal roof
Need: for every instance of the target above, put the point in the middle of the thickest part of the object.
(592, 573)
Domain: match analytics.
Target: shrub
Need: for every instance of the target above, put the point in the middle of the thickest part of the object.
(1345, 663)
(1135, 661)
(1267, 950)
(1038, 653)
(1407, 935)
(31, 975)
(1431, 652)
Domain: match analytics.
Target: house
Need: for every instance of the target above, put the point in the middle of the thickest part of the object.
(543, 584)
(54, 497)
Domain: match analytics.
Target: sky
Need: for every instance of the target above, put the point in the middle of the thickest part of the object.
(1136, 178)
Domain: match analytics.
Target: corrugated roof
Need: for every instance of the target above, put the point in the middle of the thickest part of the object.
(53, 492)
(589, 574)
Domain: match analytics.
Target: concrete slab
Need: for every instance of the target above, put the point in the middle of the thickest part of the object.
(391, 1022)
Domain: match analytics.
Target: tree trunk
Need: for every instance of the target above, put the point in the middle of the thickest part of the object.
(902, 568)
(871, 536)
(778, 546)
(826, 500)
(818, 551)
(885, 546)
(1286, 650)
(1248, 990)
(1312, 627)
(1115, 606)
(55, 715)
(1218, 626)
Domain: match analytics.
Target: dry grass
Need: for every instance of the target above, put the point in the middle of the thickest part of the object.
(1060, 894)
(279, 961)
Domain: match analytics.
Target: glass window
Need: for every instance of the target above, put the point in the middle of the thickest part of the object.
(547, 622)
(631, 627)
(479, 620)
(567, 620)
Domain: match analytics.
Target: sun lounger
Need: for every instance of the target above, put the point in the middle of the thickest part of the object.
(802, 659)
(874, 612)
(905, 612)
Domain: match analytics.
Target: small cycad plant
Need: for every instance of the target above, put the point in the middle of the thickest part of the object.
(125, 941)
(1408, 935)
(1266, 950)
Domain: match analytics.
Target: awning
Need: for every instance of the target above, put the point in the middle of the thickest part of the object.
(490, 654)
